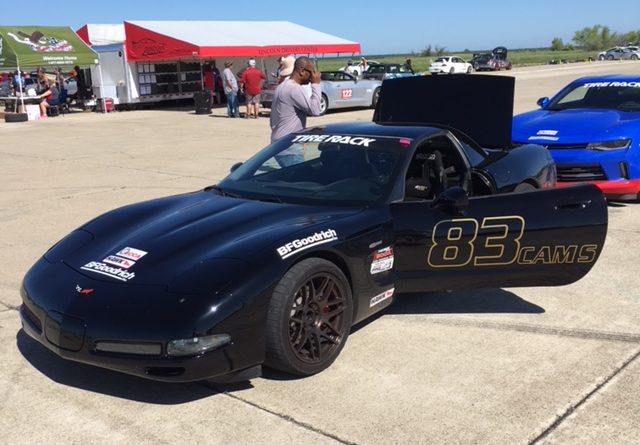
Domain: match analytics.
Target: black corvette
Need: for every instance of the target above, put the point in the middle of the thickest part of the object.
(273, 265)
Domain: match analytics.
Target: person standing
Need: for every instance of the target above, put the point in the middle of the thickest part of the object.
(231, 90)
(407, 66)
(252, 82)
(291, 105)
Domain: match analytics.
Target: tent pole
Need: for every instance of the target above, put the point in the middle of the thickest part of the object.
(104, 105)
(21, 80)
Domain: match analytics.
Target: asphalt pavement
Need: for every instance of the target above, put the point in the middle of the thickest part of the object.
(491, 366)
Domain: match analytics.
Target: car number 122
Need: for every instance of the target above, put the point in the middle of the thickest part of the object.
(347, 94)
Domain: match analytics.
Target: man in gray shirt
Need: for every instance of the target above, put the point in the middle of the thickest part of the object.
(231, 90)
(291, 104)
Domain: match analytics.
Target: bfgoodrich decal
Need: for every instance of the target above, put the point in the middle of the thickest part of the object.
(297, 245)
(110, 271)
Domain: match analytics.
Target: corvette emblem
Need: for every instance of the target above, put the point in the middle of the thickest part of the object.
(82, 291)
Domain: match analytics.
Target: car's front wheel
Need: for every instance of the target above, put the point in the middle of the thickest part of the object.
(324, 104)
(469, 69)
(309, 318)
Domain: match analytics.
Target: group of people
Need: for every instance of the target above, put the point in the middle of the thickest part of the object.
(47, 89)
(291, 103)
(40, 88)
(247, 82)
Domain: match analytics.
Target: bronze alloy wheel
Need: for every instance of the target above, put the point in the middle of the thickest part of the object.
(317, 321)
(309, 317)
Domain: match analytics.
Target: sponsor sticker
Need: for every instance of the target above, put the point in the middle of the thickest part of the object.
(337, 139)
(381, 297)
(131, 253)
(547, 132)
(297, 245)
(382, 260)
(543, 138)
(117, 261)
(110, 271)
(632, 84)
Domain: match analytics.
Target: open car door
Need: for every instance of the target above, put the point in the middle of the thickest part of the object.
(543, 238)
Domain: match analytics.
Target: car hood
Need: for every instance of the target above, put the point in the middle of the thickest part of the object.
(568, 126)
(159, 240)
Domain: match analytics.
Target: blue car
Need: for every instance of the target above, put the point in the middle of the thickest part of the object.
(592, 129)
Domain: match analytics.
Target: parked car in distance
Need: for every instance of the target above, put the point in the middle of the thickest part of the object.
(450, 65)
(620, 53)
(496, 60)
(358, 68)
(383, 71)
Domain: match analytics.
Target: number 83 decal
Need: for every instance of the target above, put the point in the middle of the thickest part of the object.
(456, 243)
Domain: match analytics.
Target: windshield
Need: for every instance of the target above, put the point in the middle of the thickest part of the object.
(622, 96)
(320, 169)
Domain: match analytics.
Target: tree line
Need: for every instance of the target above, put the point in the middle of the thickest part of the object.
(596, 38)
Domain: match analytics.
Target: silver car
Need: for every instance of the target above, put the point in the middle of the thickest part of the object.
(620, 53)
(339, 90)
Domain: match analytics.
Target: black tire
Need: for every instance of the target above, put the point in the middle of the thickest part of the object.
(16, 117)
(634, 57)
(309, 318)
(609, 57)
(324, 104)
(452, 70)
(601, 57)
(375, 97)
(469, 69)
(524, 187)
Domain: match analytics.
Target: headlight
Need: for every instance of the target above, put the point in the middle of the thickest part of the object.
(619, 144)
(197, 345)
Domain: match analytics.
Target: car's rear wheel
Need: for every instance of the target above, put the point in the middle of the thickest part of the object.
(375, 97)
(324, 104)
(601, 57)
(609, 57)
(309, 318)
(634, 57)
(468, 70)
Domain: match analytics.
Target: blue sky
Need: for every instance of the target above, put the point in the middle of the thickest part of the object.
(381, 27)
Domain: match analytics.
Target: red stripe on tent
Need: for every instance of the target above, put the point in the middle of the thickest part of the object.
(146, 45)
(276, 50)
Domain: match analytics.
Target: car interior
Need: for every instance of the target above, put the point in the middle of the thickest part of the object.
(436, 166)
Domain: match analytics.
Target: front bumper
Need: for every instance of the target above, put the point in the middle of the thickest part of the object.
(135, 321)
(623, 189)
(162, 368)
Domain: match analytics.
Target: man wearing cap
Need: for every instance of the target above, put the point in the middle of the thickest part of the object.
(252, 82)
(291, 104)
(231, 90)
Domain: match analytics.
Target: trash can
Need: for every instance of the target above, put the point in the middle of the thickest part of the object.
(203, 101)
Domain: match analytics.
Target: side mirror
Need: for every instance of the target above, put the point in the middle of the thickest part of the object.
(543, 102)
(454, 197)
(234, 167)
